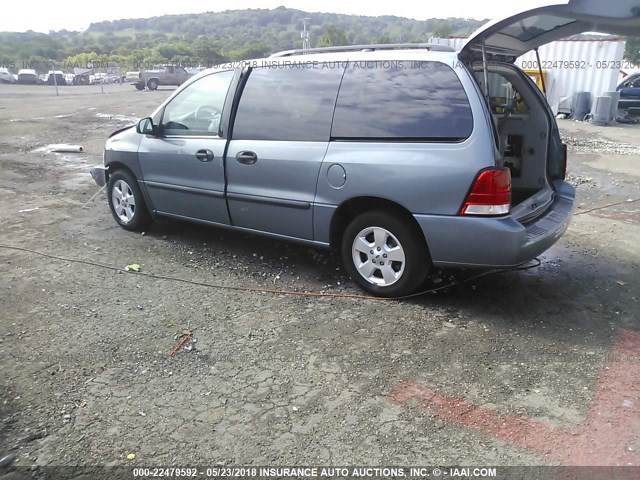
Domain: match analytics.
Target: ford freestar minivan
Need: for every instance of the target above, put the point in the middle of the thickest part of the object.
(402, 157)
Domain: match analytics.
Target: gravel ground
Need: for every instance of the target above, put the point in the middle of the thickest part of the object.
(87, 379)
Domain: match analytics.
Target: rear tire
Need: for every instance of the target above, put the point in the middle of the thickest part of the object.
(126, 201)
(152, 84)
(139, 86)
(385, 254)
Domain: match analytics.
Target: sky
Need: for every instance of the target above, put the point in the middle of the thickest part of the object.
(46, 15)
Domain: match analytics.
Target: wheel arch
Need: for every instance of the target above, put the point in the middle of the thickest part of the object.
(353, 207)
(114, 166)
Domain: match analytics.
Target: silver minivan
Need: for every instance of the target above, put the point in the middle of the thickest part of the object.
(402, 157)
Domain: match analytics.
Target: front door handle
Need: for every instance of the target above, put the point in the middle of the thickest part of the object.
(204, 155)
(247, 158)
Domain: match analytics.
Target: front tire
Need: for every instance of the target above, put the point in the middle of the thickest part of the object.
(385, 254)
(152, 84)
(126, 201)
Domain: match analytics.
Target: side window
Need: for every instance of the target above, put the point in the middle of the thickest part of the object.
(288, 103)
(402, 100)
(169, 69)
(197, 109)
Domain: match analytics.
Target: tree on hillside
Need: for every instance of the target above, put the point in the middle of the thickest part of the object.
(247, 52)
(442, 29)
(333, 37)
(207, 51)
(383, 39)
(632, 50)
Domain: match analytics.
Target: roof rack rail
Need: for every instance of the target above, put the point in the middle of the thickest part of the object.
(434, 47)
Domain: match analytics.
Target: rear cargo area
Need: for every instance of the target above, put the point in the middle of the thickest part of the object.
(523, 130)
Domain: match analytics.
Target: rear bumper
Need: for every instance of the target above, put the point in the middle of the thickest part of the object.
(458, 241)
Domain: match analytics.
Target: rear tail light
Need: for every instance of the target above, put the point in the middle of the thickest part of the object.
(490, 193)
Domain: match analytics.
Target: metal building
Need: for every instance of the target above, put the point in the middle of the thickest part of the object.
(578, 65)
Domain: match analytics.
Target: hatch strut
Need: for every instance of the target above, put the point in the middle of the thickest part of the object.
(544, 87)
(484, 70)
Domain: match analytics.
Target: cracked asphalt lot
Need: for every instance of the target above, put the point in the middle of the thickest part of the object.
(86, 376)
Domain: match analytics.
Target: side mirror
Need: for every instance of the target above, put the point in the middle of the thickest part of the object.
(145, 126)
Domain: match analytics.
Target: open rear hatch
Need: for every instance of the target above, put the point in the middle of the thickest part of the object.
(507, 39)
(528, 139)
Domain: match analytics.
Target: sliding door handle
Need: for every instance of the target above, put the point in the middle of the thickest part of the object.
(247, 158)
(204, 155)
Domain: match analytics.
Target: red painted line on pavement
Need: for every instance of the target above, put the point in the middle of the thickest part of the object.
(522, 432)
(610, 428)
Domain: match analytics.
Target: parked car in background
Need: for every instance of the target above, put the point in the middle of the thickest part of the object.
(629, 89)
(132, 77)
(112, 78)
(6, 76)
(56, 77)
(401, 157)
(195, 70)
(82, 78)
(27, 76)
(107, 78)
(163, 75)
(97, 78)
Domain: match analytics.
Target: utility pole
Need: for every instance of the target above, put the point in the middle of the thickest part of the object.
(55, 80)
(306, 43)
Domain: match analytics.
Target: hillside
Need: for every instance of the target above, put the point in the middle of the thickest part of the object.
(213, 37)
(208, 38)
(280, 27)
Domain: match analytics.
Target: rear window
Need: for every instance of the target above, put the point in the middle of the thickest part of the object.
(402, 100)
(288, 103)
(529, 28)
